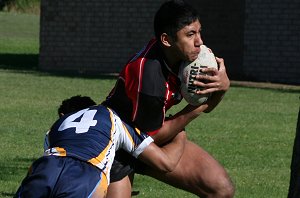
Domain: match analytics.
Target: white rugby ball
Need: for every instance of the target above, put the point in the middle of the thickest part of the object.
(188, 72)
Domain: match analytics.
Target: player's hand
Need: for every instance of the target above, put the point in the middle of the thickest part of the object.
(217, 80)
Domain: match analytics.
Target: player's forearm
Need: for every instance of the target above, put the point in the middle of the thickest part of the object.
(167, 157)
(173, 151)
(177, 123)
(164, 158)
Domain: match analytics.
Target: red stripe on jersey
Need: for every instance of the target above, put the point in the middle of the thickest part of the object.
(152, 132)
(141, 59)
(135, 105)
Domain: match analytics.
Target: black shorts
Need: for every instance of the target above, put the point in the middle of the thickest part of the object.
(124, 164)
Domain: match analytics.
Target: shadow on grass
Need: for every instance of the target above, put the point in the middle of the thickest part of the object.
(16, 166)
(30, 63)
(5, 194)
(14, 170)
(19, 61)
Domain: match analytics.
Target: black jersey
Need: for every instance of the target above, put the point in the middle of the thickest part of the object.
(145, 90)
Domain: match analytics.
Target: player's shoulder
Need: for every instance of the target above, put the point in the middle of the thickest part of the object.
(153, 78)
(152, 65)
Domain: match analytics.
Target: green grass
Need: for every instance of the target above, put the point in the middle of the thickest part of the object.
(251, 132)
(19, 40)
(19, 33)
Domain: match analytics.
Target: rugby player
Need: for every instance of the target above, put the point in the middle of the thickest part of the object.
(148, 86)
(82, 146)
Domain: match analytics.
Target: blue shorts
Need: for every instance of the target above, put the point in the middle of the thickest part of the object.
(53, 176)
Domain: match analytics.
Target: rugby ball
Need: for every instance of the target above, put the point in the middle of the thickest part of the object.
(188, 72)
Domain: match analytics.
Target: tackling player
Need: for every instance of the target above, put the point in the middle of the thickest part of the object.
(81, 150)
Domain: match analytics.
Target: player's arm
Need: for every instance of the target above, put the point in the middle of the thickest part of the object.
(177, 123)
(164, 158)
(180, 120)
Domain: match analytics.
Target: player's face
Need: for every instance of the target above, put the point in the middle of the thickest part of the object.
(188, 41)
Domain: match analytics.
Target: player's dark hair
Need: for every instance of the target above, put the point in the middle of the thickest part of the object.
(173, 16)
(75, 103)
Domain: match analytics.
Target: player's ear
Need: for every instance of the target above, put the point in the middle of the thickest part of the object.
(165, 39)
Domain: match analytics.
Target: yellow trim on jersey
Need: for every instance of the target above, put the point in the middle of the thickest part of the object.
(57, 151)
(128, 134)
(101, 189)
(61, 151)
(138, 131)
(101, 156)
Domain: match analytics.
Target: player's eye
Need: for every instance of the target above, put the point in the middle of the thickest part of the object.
(190, 34)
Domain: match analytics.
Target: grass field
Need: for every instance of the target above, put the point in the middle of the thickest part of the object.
(251, 132)
(19, 40)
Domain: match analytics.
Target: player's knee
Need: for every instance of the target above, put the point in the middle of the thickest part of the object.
(222, 187)
(225, 188)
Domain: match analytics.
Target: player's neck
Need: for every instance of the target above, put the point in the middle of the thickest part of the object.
(172, 61)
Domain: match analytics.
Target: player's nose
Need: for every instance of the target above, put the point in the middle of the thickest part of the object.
(198, 40)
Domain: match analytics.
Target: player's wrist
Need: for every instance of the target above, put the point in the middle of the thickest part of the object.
(214, 100)
(197, 110)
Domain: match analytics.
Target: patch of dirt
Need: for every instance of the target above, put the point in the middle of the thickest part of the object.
(266, 85)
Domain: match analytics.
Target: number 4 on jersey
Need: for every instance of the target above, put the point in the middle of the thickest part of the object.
(81, 126)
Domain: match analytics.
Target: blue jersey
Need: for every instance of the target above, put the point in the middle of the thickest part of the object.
(93, 135)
